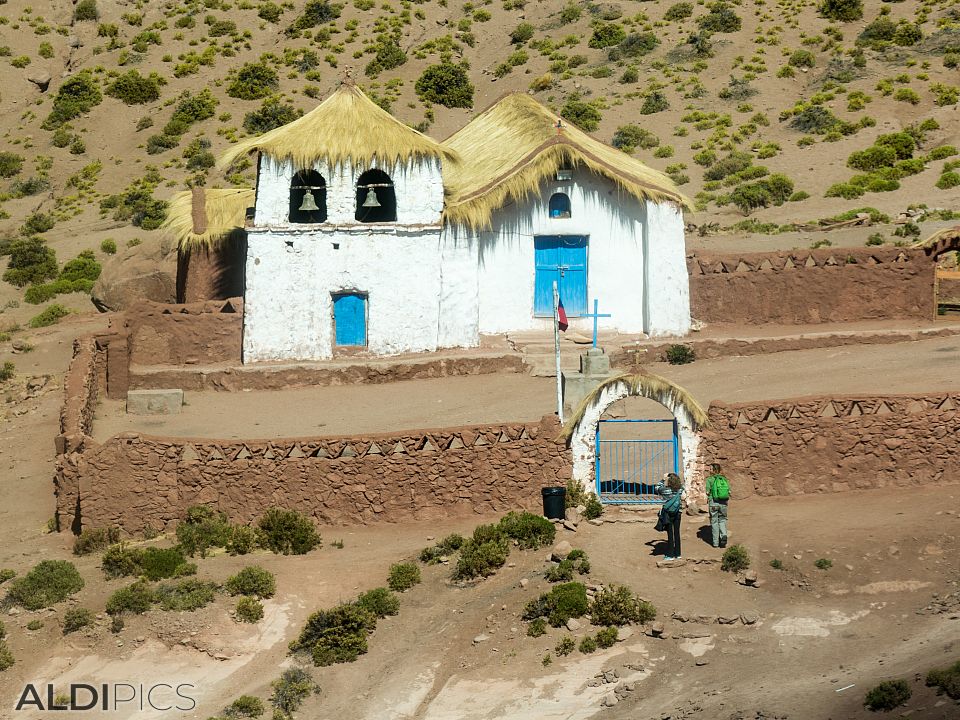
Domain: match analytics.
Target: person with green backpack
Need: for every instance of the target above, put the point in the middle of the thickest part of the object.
(718, 494)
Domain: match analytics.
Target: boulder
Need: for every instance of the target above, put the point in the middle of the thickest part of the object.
(144, 272)
(40, 78)
(560, 551)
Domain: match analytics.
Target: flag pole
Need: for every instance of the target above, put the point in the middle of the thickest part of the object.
(556, 349)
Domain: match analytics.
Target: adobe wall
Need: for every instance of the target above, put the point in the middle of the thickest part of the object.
(136, 481)
(212, 273)
(205, 333)
(811, 286)
(830, 444)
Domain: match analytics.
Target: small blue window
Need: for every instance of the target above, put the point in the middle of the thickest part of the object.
(559, 206)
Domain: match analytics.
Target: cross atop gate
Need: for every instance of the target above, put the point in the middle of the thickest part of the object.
(596, 315)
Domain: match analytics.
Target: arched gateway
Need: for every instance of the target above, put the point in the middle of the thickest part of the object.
(581, 430)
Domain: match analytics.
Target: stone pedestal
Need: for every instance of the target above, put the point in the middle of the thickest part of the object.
(154, 402)
(594, 369)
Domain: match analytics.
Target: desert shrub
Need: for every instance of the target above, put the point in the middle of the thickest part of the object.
(537, 627)
(337, 635)
(594, 508)
(654, 102)
(948, 180)
(606, 637)
(243, 539)
(773, 190)
(10, 164)
(289, 691)
(37, 223)
(245, 706)
(584, 115)
(403, 576)
(82, 267)
(93, 540)
(678, 354)
(946, 680)
(287, 532)
(132, 88)
(872, 158)
(137, 205)
(272, 114)
(187, 595)
(824, 563)
(630, 137)
(907, 34)
(802, 58)
(137, 598)
(522, 33)
(679, 11)
(203, 528)
(887, 695)
(607, 34)
(942, 152)
(249, 610)
(252, 580)
(842, 10)
(253, 81)
(733, 163)
(563, 602)
(47, 583)
(7, 371)
(389, 55)
(86, 10)
(76, 619)
(480, 559)
(449, 545)
(51, 315)
(776, 563)
(31, 261)
(565, 646)
(315, 12)
(445, 84)
(6, 657)
(270, 12)
(381, 602)
(720, 19)
(588, 645)
(814, 119)
(152, 563)
(907, 95)
(561, 572)
(75, 97)
(108, 247)
(634, 45)
(844, 190)
(617, 605)
(7, 573)
(735, 558)
(529, 530)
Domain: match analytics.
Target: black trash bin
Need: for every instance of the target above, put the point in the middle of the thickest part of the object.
(554, 502)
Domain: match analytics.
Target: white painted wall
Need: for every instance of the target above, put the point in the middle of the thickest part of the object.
(668, 282)
(622, 232)
(290, 277)
(418, 186)
(583, 442)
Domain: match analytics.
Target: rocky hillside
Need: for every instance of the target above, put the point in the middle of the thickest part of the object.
(766, 113)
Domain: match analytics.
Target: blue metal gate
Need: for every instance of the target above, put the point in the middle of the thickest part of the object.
(627, 470)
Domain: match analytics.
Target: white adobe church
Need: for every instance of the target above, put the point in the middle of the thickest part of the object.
(367, 235)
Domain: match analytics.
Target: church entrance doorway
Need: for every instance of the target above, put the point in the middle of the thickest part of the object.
(350, 320)
(561, 259)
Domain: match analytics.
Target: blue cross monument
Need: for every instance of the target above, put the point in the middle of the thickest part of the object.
(596, 315)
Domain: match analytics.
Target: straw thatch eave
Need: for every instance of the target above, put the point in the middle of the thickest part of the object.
(345, 128)
(643, 384)
(514, 145)
(202, 218)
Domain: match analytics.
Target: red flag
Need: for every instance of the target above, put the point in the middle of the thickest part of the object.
(561, 316)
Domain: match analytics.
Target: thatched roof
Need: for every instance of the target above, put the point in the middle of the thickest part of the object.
(202, 218)
(510, 148)
(346, 127)
(646, 385)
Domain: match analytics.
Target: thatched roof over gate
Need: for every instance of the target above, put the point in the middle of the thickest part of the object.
(346, 127)
(510, 148)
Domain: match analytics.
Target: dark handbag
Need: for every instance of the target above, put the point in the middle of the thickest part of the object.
(662, 522)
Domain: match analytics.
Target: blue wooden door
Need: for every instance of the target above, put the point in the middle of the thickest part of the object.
(350, 320)
(560, 258)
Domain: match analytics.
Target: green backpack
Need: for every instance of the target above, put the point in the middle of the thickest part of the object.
(720, 488)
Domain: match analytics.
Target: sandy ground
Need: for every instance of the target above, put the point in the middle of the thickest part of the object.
(922, 366)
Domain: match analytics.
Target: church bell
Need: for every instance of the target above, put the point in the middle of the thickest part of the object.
(371, 200)
(309, 203)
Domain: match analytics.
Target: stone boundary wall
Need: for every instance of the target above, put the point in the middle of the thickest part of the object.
(811, 286)
(135, 481)
(830, 444)
(81, 389)
(202, 333)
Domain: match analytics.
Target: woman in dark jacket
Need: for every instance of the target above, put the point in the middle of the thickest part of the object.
(672, 491)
